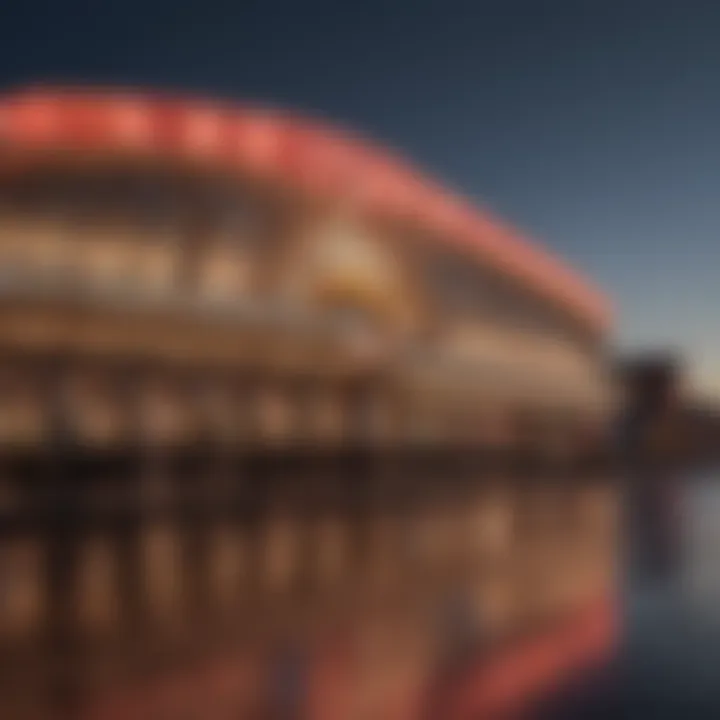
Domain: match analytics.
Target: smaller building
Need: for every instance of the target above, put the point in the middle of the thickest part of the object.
(651, 381)
(664, 418)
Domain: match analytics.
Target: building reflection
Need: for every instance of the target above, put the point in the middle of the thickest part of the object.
(304, 579)
(662, 436)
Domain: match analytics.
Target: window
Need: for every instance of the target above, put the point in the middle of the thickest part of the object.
(347, 274)
(106, 231)
(232, 245)
(31, 243)
(127, 236)
(464, 289)
(226, 266)
(101, 252)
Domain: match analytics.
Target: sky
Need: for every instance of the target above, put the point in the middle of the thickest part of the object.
(591, 125)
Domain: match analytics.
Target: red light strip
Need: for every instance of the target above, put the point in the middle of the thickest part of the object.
(322, 161)
(524, 674)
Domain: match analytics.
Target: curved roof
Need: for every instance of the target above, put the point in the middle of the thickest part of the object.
(270, 144)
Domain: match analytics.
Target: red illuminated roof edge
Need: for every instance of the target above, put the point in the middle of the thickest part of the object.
(318, 158)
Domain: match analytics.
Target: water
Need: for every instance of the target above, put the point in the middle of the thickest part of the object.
(668, 663)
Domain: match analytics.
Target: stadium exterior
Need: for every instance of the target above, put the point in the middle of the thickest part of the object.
(189, 288)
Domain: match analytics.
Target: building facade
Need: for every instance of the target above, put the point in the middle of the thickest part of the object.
(192, 295)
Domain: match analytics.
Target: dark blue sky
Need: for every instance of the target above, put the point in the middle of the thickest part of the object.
(592, 124)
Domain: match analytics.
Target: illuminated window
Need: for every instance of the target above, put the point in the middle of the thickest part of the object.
(229, 255)
(226, 271)
(157, 259)
(100, 253)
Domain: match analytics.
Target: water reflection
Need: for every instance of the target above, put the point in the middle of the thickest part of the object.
(667, 663)
(374, 588)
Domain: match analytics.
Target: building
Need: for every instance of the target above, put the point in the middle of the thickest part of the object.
(188, 287)
(666, 418)
(652, 381)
